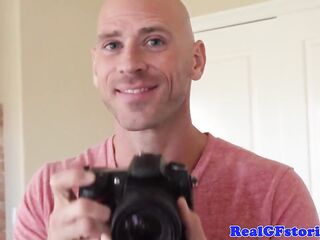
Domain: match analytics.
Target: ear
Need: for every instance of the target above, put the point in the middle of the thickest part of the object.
(94, 71)
(199, 60)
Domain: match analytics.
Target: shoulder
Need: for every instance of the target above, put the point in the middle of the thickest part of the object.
(292, 203)
(238, 163)
(245, 179)
(93, 156)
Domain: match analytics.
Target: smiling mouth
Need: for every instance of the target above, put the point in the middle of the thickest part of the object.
(136, 90)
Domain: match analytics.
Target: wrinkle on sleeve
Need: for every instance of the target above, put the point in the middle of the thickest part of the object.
(35, 208)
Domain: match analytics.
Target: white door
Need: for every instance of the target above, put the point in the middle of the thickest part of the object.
(261, 90)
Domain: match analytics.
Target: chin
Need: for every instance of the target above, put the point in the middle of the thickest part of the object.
(137, 125)
(136, 128)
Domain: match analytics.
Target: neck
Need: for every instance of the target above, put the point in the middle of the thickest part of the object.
(180, 142)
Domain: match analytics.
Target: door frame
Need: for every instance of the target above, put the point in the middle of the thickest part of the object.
(252, 13)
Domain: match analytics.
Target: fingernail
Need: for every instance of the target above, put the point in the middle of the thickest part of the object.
(104, 237)
(108, 213)
(90, 176)
(183, 204)
(182, 200)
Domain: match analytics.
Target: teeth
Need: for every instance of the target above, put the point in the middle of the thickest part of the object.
(135, 91)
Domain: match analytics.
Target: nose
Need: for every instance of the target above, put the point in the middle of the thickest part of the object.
(132, 61)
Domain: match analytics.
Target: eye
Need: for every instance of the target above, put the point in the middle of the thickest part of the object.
(155, 42)
(112, 45)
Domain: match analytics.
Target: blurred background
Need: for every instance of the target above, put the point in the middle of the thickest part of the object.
(50, 109)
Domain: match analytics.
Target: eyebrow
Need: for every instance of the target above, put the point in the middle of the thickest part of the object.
(144, 30)
(152, 29)
(109, 35)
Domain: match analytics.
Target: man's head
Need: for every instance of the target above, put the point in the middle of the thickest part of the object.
(144, 61)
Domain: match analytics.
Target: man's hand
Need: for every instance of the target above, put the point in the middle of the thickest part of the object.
(191, 221)
(76, 218)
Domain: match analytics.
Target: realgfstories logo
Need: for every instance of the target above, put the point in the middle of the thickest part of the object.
(274, 231)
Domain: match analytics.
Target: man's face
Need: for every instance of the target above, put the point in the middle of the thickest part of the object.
(144, 62)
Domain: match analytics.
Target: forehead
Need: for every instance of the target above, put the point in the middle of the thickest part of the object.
(139, 13)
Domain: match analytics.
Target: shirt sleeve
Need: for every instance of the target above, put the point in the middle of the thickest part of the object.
(36, 206)
(293, 205)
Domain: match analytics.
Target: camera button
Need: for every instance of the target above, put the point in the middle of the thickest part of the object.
(177, 166)
(116, 181)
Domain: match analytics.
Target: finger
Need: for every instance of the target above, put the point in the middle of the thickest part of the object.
(83, 228)
(63, 182)
(71, 178)
(89, 228)
(191, 221)
(184, 211)
(105, 237)
(82, 208)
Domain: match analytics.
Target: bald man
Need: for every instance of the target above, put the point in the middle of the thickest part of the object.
(144, 61)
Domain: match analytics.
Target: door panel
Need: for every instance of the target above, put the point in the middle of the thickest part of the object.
(261, 90)
(230, 97)
(313, 90)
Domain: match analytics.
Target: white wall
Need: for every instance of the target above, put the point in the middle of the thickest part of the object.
(11, 97)
(62, 111)
(51, 109)
(203, 7)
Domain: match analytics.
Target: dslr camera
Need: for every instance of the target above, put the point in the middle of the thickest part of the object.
(143, 199)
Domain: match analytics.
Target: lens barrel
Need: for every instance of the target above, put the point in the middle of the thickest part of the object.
(147, 218)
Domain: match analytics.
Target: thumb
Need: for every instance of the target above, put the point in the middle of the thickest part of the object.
(105, 237)
(191, 221)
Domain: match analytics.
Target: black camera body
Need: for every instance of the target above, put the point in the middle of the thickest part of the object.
(143, 199)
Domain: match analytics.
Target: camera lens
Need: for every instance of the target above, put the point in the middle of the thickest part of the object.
(142, 226)
(146, 218)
